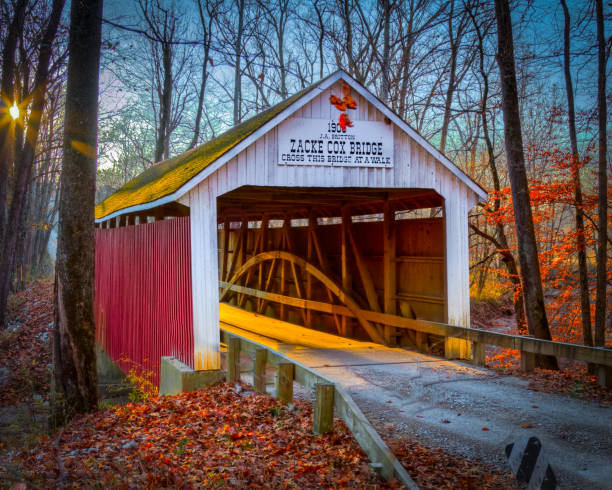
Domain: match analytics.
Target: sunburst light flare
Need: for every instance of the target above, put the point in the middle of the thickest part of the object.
(14, 111)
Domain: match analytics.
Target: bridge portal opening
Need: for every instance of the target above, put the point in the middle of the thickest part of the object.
(338, 260)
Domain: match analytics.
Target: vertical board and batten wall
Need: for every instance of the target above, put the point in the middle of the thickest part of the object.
(143, 304)
(413, 167)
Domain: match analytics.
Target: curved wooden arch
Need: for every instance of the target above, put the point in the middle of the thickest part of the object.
(350, 303)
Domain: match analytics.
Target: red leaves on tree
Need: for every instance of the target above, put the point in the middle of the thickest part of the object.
(551, 192)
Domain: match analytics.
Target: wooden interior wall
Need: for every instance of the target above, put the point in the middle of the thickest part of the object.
(403, 274)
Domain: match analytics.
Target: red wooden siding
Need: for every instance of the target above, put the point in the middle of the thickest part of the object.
(143, 305)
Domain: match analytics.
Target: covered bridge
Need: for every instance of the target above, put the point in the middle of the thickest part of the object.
(290, 216)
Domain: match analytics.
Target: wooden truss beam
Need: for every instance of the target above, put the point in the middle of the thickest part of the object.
(315, 272)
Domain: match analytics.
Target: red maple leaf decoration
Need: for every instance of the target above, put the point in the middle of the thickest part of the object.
(344, 121)
(337, 103)
(346, 89)
(347, 102)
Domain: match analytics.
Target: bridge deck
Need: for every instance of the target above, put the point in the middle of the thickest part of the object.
(286, 333)
(420, 397)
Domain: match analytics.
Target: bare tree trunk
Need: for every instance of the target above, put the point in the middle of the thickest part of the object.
(276, 15)
(74, 357)
(602, 181)
(207, 40)
(500, 241)
(348, 48)
(527, 246)
(450, 89)
(280, 34)
(386, 50)
(162, 24)
(23, 244)
(200, 110)
(162, 146)
(585, 300)
(320, 38)
(406, 61)
(26, 159)
(6, 94)
(237, 74)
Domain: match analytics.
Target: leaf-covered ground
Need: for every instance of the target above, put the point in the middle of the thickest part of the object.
(436, 469)
(572, 379)
(226, 436)
(24, 346)
(217, 438)
(25, 363)
(221, 437)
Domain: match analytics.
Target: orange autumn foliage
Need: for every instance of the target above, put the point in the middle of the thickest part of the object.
(553, 206)
(223, 437)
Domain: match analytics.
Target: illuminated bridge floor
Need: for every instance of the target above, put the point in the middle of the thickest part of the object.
(420, 397)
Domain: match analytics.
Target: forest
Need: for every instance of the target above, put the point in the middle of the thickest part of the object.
(175, 73)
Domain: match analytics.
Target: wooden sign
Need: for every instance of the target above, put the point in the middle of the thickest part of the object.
(322, 142)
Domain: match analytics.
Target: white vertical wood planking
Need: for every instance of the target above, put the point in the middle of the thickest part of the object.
(457, 255)
(257, 165)
(204, 276)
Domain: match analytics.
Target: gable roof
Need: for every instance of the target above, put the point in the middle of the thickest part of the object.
(168, 180)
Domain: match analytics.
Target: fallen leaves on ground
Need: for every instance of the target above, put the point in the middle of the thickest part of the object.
(24, 345)
(221, 437)
(217, 438)
(437, 469)
(572, 379)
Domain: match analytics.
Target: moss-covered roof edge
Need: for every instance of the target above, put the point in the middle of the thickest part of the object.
(306, 96)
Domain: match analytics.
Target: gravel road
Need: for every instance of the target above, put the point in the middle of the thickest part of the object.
(469, 411)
